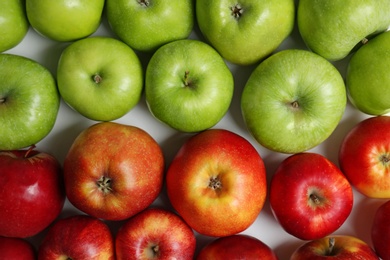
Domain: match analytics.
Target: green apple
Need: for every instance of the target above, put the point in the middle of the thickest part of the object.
(188, 85)
(146, 25)
(100, 77)
(245, 31)
(293, 101)
(13, 23)
(368, 77)
(334, 28)
(65, 20)
(29, 102)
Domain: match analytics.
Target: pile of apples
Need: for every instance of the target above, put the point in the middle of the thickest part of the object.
(202, 129)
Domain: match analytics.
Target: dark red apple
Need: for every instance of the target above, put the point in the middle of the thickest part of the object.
(12, 248)
(380, 231)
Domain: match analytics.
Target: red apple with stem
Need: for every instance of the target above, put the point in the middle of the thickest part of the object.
(217, 183)
(31, 192)
(113, 171)
(14, 248)
(364, 157)
(155, 233)
(380, 231)
(309, 196)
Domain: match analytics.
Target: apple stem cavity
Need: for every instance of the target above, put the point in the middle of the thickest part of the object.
(236, 11)
(104, 184)
(215, 183)
(2, 100)
(97, 78)
(144, 3)
(330, 251)
(315, 199)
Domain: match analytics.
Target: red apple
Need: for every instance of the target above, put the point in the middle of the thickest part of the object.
(77, 237)
(236, 247)
(16, 249)
(364, 157)
(113, 171)
(380, 231)
(309, 196)
(339, 247)
(31, 192)
(155, 234)
(217, 183)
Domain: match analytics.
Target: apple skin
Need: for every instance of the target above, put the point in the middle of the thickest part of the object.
(380, 231)
(334, 28)
(236, 247)
(242, 40)
(367, 78)
(217, 183)
(77, 237)
(16, 249)
(65, 20)
(13, 23)
(344, 248)
(113, 171)
(293, 101)
(100, 77)
(155, 233)
(31, 192)
(145, 25)
(309, 196)
(188, 86)
(364, 157)
(29, 102)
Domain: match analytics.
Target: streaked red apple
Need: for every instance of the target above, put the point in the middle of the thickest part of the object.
(13, 248)
(380, 231)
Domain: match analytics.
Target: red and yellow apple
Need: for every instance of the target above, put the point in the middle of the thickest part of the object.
(380, 231)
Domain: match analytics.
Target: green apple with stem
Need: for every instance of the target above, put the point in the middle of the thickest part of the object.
(65, 20)
(188, 85)
(100, 77)
(246, 31)
(146, 25)
(29, 102)
(368, 78)
(293, 101)
(13, 23)
(335, 28)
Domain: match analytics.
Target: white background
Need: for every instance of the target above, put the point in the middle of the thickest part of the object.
(69, 124)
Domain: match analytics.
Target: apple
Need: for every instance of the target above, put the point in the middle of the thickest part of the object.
(100, 77)
(217, 183)
(13, 23)
(293, 101)
(77, 237)
(338, 247)
(113, 171)
(364, 157)
(188, 85)
(29, 102)
(309, 196)
(31, 192)
(246, 31)
(380, 231)
(16, 249)
(155, 233)
(367, 78)
(145, 25)
(238, 246)
(335, 28)
(65, 20)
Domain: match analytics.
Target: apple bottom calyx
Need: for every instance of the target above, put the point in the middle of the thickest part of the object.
(236, 11)
(215, 183)
(153, 251)
(104, 184)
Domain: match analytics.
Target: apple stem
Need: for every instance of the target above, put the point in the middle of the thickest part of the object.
(29, 150)
(186, 81)
(331, 245)
(364, 41)
(295, 104)
(315, 199)
(236, 11)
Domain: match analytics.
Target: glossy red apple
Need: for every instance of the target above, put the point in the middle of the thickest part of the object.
(217, 183)
(364, 157)
(380, 231)
(13, 248)
(77, 237)
(113, 171)
(31, 192)
(309, 196)
(155, 234)
(339, 247)
(236, 247)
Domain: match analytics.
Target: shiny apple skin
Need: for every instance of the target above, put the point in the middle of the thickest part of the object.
(345, 248)
(239, 169)
(296, 180)
(243, 247)
(155, 229)
(77, 237)
(31, 192)
(380, 231)
(13, 248)
(364, 157)
(127, 157)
